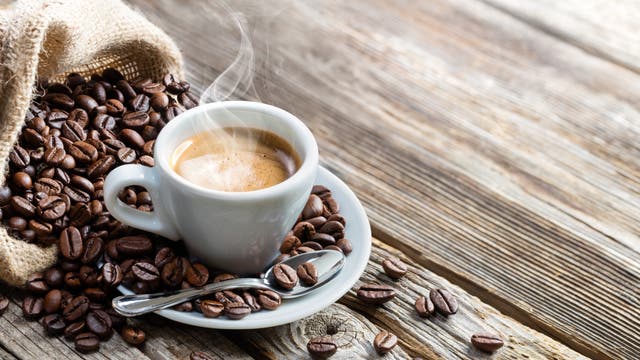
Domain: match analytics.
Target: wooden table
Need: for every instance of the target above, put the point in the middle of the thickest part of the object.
(493, 143)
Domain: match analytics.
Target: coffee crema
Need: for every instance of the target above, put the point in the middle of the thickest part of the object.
(235, 159)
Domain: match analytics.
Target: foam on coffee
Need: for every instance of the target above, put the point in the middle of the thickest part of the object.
(235, 159)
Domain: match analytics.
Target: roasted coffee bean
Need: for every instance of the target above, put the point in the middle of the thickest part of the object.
(101, 166)
(148, 147)
(73, 131)
(375, 293)
(149, 133)
(171, 274)
(486, 342)
(68, 162)
(345, 245)
(76, 195)
(211, 308)
(394, 267)
(317, 221)
(76, 309)
(236, 310)
(79, 214)
(184, 307)
(22, 180)
(89, 276)
(136, 120)
(251, 301)
(17, 223)
(73, 329)
(308, 273)
(83, 152)
(144, 198)
(135, 246)
(171, 112)
(82, 183)
(52, 141)
(59, 88)
(320, 190)
(290, 242)
(445, 303)
(37, 284)
(114, 107)
(55, 119)
(99, 323)
(92, 250)
(322, 347)
(132, 138)
(126, 155)
(51, 208)
(228, 296)
(54, 277)
(304, 231)
(4, 304)
(152, 88)
(384, 342)
(104, 122)
(303, 249)
(164, 256)
(424, 306)
(86, 342)
(32, 138)
(281, 258)
(200, 355)
(72, 280)
(53, 324)
(54, 156)
(197, 274)
(333, 247)
(313, 207)
(112, 75)
(59, 101)
(285, 276)
(331, 227)
(312, 245)
(146, 161)
(52, 302)
(32, 307)
(99, 93)
(223, 277)
(5, 195)
(79, 116)
(112, 146)
(133, 335)
(48, 186)
(145, 272)
(19, 157)
(159, 101)
(323, 239)
(87, 103)
(112, 274)
(188, 100)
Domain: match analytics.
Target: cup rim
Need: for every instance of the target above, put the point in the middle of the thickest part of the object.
(307, 167)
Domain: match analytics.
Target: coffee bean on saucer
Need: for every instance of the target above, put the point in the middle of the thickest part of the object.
(345, 245)
(53, 324)
(251, 301)
(184, 307)
(269, 299)
(322, 347)
(227, 296)
(321, 191)
(307, 273)
(99, 323)
(424, 306)
(112, 274)
(197, 274)
(312, 245)
(317, 221)
(172, 274)
(164, 256)
(304, 231)
(4, 304)
(87, 342)
(375, 293)
(394, 267)
(32, 307)
(312, 208)
(445, 303)
(236, 310)
(486, 342)
(285, 276)
(200, 355)
(211, 308)
(133, 335)
(323, 239)
(384, 342)
(289, 243)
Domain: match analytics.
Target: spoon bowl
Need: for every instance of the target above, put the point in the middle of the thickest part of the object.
(327, 262)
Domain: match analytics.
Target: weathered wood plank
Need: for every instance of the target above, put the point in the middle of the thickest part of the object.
(607, 29)
(487, 151)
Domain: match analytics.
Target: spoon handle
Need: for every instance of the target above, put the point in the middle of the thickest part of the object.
(135, 305)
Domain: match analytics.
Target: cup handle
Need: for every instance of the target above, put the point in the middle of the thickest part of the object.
(156, 221)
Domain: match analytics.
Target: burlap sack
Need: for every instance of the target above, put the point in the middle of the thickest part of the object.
(49, 39)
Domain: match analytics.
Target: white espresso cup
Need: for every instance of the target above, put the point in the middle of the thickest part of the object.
(238, 232)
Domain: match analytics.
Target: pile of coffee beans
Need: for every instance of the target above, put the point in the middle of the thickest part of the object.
(75, 133)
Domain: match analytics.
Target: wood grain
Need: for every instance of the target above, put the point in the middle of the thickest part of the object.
(488, 151)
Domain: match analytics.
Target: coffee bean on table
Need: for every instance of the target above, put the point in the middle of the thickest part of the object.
(133, 335)
(424, 306)
(375, 293)
(486, 342)
(200, 355)
(87, 342)
(285, 276)
(211, 308)
(269, 299)
(52, 302)
(445, 303)
(4, 304)
(308, 273)
(322, 347)
(53, 324)
(145, 272)
(172, 274)
(99, 323)
(236, 310)
(72, 330)
(76, 308)
(32, 307)
(394, 267)
(384, 342)
(197, 274)
(70, 243)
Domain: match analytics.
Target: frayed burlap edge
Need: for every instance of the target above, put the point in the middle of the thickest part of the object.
(51, 39)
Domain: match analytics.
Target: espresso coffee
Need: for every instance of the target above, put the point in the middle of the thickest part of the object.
(235, 159)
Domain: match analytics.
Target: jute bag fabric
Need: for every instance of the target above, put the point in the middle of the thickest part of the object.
(51, 39)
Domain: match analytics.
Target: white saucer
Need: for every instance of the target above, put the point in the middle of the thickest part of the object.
(357, 231)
